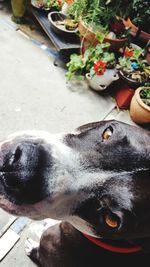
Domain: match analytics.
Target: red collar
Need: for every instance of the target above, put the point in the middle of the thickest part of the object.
(112, 248)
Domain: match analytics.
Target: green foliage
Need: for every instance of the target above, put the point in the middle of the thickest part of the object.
(52, 3)
(145, 95)
(75, 65)
(99, 14)
(141, 14)
(134, 66)
(103, 12)
(78, 9)
(126, 62)
(78, 65)
(100, 36)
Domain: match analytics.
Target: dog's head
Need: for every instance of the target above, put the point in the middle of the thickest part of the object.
(97, 178)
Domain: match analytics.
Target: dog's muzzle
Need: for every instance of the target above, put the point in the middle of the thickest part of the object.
(23, 167)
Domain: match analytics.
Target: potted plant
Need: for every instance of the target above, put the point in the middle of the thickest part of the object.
(47, 5)
(133, 68)
(138, 19)
(103, 17)
(96, 65)
(140, 105)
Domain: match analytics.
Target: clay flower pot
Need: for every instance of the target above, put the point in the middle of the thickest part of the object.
(130, 82)
(90, 36)
(143, 36)
(139, 111)
(101, 82)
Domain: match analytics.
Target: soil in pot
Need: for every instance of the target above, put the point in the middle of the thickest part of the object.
(133, 83)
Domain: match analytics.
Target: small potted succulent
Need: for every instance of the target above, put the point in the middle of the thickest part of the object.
(140, 105)
(133, 67)
(96, 65)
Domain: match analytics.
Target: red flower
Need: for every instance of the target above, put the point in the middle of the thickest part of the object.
(100, 67)
(69, 2)
(128, 52)
(59, 2)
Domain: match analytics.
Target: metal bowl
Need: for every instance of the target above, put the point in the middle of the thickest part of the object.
(55, 18)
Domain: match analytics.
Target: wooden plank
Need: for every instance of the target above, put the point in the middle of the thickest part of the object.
(6, 220)
(7, 242)
(60, 42)
(19, 224)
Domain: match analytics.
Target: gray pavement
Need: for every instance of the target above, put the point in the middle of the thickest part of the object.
(34, 95)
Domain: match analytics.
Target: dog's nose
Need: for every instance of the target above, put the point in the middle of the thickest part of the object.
(16, 156)
(22, 154)
(23, 168)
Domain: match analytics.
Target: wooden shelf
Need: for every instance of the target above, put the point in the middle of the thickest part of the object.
(62, 43)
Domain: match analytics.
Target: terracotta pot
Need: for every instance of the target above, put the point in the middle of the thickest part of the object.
(139, 112)
(122, 94)
(143, 36)
(90, 36)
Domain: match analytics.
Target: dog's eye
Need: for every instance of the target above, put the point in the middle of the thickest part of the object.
(112, 220)
(107, 133)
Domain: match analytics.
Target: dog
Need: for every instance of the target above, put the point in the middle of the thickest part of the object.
(95, 180)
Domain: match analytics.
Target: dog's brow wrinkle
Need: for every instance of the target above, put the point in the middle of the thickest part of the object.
(142, 169)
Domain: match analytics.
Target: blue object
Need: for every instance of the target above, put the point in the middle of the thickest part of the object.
(134, 66)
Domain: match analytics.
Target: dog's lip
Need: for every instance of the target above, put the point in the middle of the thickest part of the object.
(28, 210)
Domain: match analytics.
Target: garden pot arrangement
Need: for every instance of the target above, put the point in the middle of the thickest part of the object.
(111, 20)
(106, 55)
(92, 38)
(101, 21)
(97, 65)
(133, 68)
(140, 105)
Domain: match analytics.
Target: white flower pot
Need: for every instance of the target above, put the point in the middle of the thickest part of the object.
(101, 82)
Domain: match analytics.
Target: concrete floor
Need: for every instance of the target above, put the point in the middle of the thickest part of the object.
(34, 95)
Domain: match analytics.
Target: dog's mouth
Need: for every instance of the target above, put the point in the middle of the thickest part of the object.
(38, 211)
